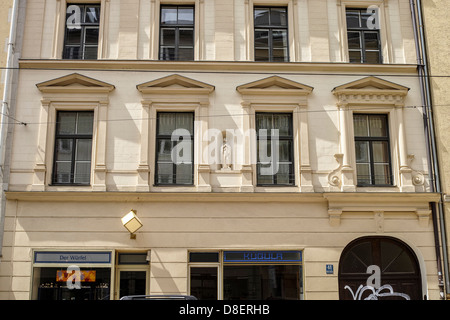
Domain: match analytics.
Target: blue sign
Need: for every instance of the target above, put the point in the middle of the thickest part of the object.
(74, 257)
(330, 269)
(262, 256)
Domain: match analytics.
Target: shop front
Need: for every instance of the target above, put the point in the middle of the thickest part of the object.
(246, 275)
(88, 275)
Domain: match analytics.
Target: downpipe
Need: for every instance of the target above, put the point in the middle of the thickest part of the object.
(4, 120)
(437, 209)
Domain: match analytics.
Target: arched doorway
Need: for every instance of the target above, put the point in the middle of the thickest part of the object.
(379, 268)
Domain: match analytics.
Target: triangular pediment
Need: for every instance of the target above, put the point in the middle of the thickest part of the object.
(75, 82)
(175, 84)
(371, 85)
(275, 85)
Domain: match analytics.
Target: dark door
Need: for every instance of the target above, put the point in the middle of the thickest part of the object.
(379, 268)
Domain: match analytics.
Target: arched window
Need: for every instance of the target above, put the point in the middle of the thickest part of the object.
(379, 268)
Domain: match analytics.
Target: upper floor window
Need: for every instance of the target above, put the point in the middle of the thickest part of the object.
(174, 148)
(373, 158)
(176, 41)
(363, 35)
(271, 34)
(81, 31)
(73, 148)
(275, 145)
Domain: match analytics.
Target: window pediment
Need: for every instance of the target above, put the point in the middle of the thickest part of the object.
(275, 85)
(174, 84)
(74, 83)
(371, 90)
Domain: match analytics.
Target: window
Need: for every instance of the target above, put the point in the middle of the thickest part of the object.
(274, 154)
(82, 31)
(372, 149)
(73, 148)
(204, 270)
(271, 34)
(176, 33)
(174, 148)
(363, 35)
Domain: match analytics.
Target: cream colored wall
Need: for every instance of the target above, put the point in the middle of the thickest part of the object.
(170, 231)
(5, 12)
(224, 33)
(124, 135)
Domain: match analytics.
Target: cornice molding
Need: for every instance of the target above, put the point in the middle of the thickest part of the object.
(217, 66)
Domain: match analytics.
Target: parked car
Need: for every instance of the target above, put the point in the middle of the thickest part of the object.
(159, 297)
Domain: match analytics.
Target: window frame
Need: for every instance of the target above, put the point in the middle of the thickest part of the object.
(84, 26)
(270, 29)
(384, 28)
(362, 32)
(370, 140)
(165, 137)
(176, 28)
(291, 155)
(73, 138)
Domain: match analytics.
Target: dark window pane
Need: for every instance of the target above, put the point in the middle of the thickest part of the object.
(364, 173)
(64, 149)
(371, 40)
(266, 282)
(373, 57)
(355, 56)
(91, 36)
(73, 36)
(261, 16)
(278, 17)
(279, 38)
(90, 52)
(168, 36)
(378, 125)
(92, 14)
(362, 151)
(357, 259)
(186, 37)
(353, 19)
(280, 55)
(361, 125)
(262, 38)
(167, 53)
(204, 283)
(354, 40)
(185, 15)
(261, 54)
(203, 257)
(62, 172)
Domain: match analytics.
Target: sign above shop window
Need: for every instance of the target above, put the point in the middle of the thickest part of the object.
(74, 257)
(262, 256)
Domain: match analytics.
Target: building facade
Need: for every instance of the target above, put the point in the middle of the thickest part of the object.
(253, 150)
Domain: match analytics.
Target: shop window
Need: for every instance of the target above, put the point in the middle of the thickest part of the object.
(175, 148)
(73, 148)
(271, 34)
(81, 31)
(373, 165)
(176, 33)
(275, 143)
(363, 35)
(204, 269)
(262, 275)
(52, 284)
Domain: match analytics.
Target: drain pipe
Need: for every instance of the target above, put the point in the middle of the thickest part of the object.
(435, 184)
(5, 111)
